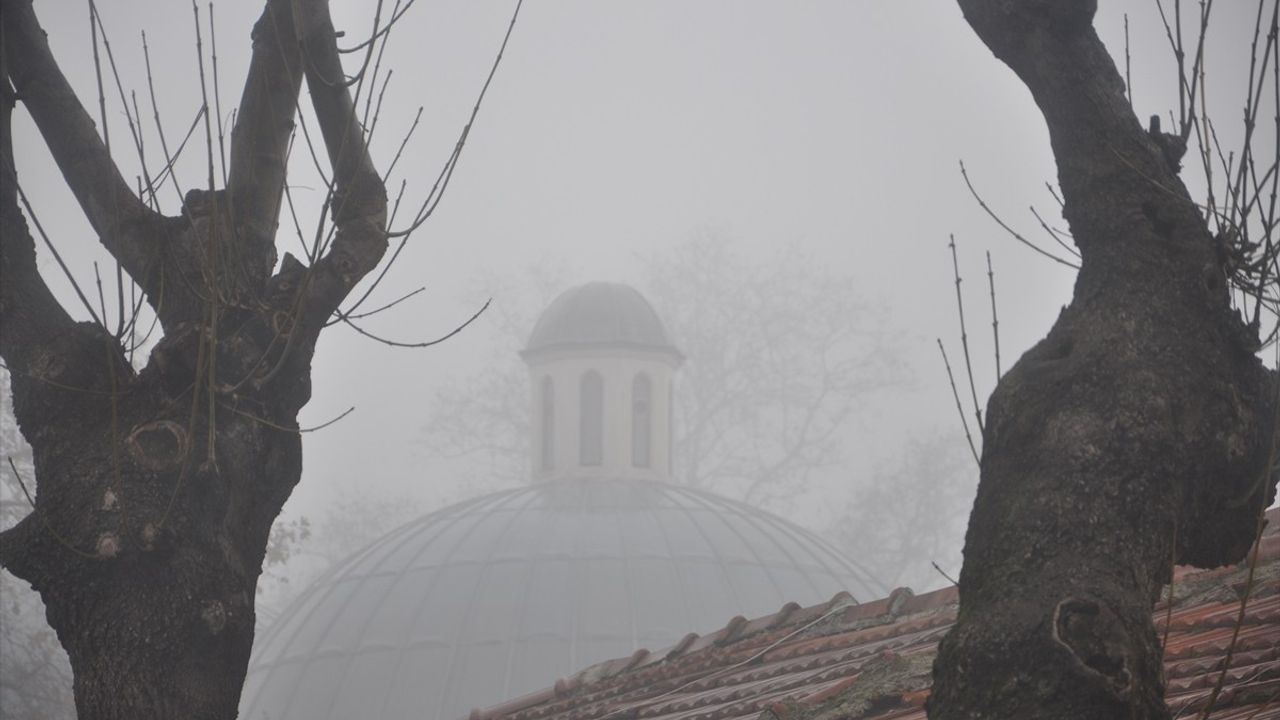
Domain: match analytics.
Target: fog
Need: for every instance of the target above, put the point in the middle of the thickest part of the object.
(614, 137)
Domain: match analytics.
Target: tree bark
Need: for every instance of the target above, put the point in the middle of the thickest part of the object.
(1139, 431)
(157, 489)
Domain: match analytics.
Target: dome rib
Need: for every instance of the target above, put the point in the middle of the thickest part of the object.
(388, 552)
(629, 578)
(687, 620)
(469, 613)
(721, 564)
(755, 553)
(804, 539)
(835, 561)
(400, 629)
(496, 501)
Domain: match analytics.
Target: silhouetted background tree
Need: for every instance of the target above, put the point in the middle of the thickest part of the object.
(779, 357)
(784, 363)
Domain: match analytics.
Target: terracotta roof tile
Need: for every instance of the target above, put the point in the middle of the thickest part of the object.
(871, 661)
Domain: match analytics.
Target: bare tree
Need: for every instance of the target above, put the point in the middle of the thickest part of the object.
(781, 356)
(156, 489)
(1141, 432)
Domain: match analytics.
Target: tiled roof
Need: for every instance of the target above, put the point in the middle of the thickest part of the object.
(872, 661)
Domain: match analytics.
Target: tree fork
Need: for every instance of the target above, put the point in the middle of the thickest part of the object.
(1142, 420)
(157, 490)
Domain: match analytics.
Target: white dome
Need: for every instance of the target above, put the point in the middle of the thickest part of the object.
(499, 596)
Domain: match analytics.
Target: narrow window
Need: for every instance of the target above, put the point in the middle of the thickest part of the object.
(591, 418)
(670, 428)
(548, 424)
(641, 420)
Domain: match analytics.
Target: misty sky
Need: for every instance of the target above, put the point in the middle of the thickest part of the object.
(618, 129)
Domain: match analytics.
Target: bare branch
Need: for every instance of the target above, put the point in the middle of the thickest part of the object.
(360, 198)
(995, 320)
(959, 407)
(28, 310)
(57, 256)
(155, 114)
(446, 173)
(217, 96)
(114, 211)
(964, 334)
(260, 137)
(426, 343)
(1017, 236)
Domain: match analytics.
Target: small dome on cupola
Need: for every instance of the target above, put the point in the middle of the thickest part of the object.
(599, 315)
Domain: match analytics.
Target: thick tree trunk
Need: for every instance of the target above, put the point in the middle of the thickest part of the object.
(150, 524)
(1137, 432)
(145, 552)
(157, 490)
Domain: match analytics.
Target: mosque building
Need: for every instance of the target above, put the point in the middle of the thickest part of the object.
(603, 552)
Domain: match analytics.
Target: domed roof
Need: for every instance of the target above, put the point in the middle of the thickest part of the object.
(503, 595)
(599, 314)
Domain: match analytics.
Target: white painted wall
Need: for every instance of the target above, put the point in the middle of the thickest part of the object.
(618, 367)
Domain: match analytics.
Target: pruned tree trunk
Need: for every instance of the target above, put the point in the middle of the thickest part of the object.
(157, 489)
(1137, 432)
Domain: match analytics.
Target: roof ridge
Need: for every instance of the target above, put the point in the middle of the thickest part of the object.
(842, 609)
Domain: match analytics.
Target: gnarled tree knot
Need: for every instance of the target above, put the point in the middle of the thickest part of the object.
(159, 445)
(1094, 636)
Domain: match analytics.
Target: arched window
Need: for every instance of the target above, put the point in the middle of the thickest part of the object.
(591, 419)
(548, 424)
(641, 420)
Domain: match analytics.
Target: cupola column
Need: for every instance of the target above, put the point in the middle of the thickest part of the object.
(601, 371)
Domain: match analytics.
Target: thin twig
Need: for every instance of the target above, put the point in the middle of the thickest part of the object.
(982, 204)
(155, 114)
(204, 94)
(1053, 233)
(97, 72)
(959, 408)
(995, 320)
(282, 428)
(943, 573)
(964, 334)
(1240, 615)
(433, 198)
(95, 21)
(56, 255)
(428, 343)
(1128, 81)
(217, 98)
(388, 306)
(109, 346)
(102, 301)
(1273, 452)
(1168, 613)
